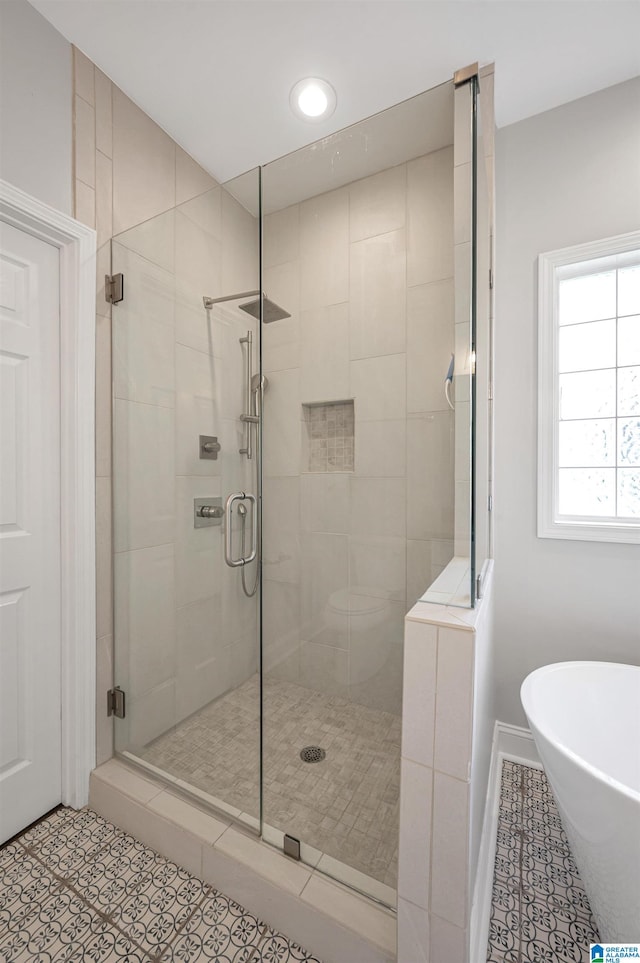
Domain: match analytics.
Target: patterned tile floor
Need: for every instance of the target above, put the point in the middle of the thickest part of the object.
(540, 912)
(345, 806)
(75, 888)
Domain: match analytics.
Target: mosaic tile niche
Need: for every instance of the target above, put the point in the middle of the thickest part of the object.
(329, 436)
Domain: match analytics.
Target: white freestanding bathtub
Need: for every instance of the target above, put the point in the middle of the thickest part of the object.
(585, 719)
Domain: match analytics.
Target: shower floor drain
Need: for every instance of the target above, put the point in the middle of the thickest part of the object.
(312, 754)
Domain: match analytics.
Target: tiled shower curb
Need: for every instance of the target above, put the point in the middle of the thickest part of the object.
(329, 919)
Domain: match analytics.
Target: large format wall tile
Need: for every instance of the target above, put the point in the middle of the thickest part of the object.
(449, 849)
(104, 559)
(378, 566)
(199, 394)
(83, 77)
(104, 198)
(324, 250)
(103, 395)
(281, 629)
(144, 475)
(324, 577)
(145, 615)
(378, 295)
(376, 652)
(144, 165)
(430, 222)
(198, 252)
(143, 334)
(381, 448)
(191, 179)
(324, 502)
(429, 344)
(198, 550)
(281, 339)
(415, 847)
(378, 504)
(454, 698)
(378, 386)
(430, 475)
(283, 425)
(202, 662)
(281, 233)
(154, 240)
(240, 253)
(377, 204)
(324, 354)
(281, 529)
(426, 559)
(413, 933)
(85, 142)
(418, 722)
(104, 114)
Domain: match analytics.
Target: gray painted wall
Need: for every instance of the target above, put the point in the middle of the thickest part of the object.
(35, 105)
(564, 177)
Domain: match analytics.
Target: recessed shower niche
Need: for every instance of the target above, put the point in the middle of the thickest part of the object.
(328, 438)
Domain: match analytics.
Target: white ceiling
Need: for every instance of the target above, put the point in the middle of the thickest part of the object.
(216, 74)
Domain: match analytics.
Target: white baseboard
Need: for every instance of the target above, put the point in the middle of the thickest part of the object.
(514, 743)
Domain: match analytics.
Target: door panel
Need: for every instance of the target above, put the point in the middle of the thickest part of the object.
(30, 734)
(186, 634)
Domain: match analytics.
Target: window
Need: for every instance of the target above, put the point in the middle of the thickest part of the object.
(589, 391)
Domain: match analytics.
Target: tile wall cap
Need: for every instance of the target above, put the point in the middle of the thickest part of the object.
(435, 614)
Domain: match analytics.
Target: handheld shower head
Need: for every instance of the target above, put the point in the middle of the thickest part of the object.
(256, 384)
(448, 381)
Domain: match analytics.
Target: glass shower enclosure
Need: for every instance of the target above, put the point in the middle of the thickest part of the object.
(293, 402)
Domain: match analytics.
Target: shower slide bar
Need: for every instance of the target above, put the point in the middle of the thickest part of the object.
(228, 511)
(247, 418)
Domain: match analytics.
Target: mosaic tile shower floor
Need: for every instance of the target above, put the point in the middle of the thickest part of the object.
(346, 806)
(540, 912)
(75, 888)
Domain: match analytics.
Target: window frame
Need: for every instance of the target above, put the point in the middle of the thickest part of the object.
(550, 272)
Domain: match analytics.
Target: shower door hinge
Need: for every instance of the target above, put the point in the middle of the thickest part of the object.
(115, 703)
(478, 586)
(491, 279)
(113, 288)
(490, 503)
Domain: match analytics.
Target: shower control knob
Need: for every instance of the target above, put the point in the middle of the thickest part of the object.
(210, 511)
(209, 446)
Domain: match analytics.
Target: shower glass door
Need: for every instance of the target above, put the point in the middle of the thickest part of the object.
(186, 623)
(359, 443)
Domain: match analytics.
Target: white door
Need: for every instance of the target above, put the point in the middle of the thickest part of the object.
(30, 728)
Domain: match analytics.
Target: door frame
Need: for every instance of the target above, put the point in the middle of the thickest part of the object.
(77, 250)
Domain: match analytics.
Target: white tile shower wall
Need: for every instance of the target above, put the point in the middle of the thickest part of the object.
(367, 274)
(170, 368)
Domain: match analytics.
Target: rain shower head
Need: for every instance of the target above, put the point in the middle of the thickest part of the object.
(270, 310)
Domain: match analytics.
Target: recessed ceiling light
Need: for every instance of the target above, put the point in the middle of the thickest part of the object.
(312, 99)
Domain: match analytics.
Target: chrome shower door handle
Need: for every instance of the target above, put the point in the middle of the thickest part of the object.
(228, 509)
